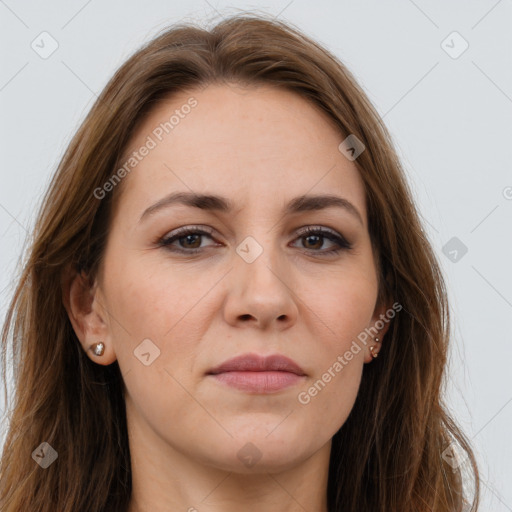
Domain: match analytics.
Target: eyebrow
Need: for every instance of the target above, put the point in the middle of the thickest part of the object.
(221, 204)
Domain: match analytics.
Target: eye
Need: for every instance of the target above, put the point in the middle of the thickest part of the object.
(314, 236)
(188, 237)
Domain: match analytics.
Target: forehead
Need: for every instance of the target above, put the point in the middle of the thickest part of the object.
(251, 143)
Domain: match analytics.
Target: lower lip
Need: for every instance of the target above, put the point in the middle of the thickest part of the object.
(259, 382)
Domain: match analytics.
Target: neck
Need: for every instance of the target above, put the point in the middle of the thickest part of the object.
(164, 478)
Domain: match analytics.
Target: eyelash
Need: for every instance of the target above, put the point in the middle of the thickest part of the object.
(342, 243)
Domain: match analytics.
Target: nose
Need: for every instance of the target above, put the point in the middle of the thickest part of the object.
(260, 293)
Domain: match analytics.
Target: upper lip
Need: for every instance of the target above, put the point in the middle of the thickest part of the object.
(257, 363)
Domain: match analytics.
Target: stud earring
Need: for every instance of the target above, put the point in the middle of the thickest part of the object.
(374, 354)
(98, 348)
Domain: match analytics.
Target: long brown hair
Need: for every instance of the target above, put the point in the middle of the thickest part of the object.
(390, 453)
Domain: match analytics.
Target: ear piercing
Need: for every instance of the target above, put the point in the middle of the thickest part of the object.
(374, 354)
(98, 348)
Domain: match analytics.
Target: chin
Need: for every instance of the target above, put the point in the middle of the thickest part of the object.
(267, 460)
(261, 452)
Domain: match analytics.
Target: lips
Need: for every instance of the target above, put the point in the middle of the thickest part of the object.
(257, 363)
(255, 374)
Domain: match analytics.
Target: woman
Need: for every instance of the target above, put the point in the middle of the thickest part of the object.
(229, 301)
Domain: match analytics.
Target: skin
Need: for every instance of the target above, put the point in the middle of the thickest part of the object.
(259, 147)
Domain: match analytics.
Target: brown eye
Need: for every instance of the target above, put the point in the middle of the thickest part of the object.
(314, 238)
(192, 240)
(315, 241)
(188, 238)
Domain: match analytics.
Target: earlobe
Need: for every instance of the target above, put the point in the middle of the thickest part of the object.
(381, 322)
(373, 351)
(373, 348)
(86, 317)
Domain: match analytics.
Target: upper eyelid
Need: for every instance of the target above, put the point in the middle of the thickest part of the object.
(212, 232)
(182, 231)
(324, 229)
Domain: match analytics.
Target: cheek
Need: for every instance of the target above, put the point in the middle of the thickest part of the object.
(150, 299)
(166, 306)
(148, 302)
(344, 303)
(342, 307)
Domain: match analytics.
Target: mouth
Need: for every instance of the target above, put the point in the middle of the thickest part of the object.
(258, 374)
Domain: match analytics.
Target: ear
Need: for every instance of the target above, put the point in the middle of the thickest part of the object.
(381, 320)
(83, 302)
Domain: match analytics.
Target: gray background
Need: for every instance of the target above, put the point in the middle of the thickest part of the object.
(450, 117)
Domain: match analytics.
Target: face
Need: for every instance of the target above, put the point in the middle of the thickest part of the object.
(245, 277)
